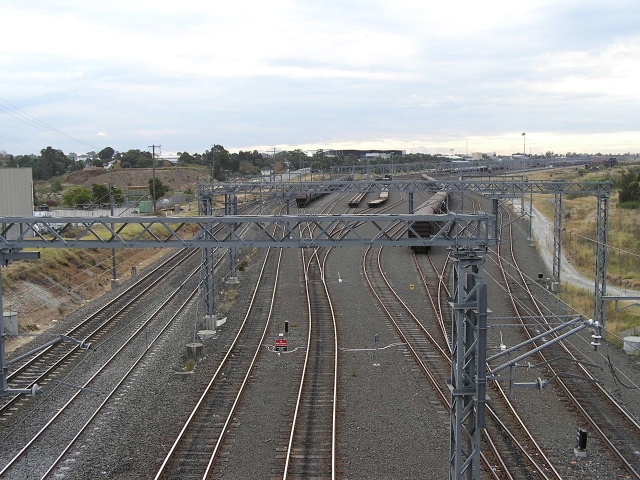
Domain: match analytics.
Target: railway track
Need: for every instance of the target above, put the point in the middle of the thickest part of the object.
(434, 360)
(125, 326)
(43, 367)
(607, 418)
(311, 450)
(194, 451)
(40, 368)
(75, 414)
(506, 433)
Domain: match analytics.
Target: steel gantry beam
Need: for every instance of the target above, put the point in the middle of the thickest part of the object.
(455, 230)
(231, 208)
(504, 187)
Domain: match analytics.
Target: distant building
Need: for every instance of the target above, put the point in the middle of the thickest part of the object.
(366, 153)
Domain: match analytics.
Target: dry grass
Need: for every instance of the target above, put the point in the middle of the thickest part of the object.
(44, 291)
(617, 322)
(579, 219)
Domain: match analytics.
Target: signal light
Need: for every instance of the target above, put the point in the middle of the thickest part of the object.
(581, 438)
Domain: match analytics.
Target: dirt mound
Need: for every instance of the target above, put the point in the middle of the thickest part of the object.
(177, 178)
(84, 176)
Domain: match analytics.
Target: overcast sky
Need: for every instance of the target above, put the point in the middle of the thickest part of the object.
(416, 75)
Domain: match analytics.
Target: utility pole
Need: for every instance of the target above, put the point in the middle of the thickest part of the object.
(153, 167)
(213, 164)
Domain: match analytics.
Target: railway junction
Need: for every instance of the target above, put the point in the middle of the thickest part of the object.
(468, 236)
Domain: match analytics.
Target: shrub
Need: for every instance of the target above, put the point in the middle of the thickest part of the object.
(629, 205)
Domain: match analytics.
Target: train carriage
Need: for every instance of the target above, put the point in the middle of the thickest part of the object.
(381, 200)
(438, 203)
(356, 199)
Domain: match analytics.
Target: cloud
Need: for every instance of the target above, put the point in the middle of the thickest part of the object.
(249, 73)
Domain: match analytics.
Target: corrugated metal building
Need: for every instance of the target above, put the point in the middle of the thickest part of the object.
(16, 192)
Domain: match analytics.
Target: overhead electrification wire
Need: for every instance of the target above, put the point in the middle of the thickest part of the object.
(19, 114)
(8, 139)
(630, 384)
(592, 240)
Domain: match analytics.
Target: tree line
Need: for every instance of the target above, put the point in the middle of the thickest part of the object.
(53, 162)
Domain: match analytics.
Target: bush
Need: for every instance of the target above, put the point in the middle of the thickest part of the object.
(630, 205)
(56, 185)
(77, 196)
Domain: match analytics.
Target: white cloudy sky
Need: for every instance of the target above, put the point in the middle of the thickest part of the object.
(418, 75)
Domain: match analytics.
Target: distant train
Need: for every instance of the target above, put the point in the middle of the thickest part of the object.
(438, 203)
(356, 199)
(303, 199)
(381, 200)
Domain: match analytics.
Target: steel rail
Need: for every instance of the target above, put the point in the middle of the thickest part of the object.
(574, 400)
(298, 410)
(439, 311)
(245, 380)
(442, 393)
(130, 371)
(82, 323)
(39, 356)
(505, 428)
(94, 376)
(209, 388)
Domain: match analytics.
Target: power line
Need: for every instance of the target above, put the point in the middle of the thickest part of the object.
(19, 114)
(592, 240)
(16, 142)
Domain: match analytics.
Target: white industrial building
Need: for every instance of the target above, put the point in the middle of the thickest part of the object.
(16, 192)
(16, 200)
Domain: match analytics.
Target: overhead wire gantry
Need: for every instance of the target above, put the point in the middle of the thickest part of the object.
(468, 236)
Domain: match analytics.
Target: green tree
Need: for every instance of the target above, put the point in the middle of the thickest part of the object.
(186, 159)
(136, 159)
(21, 161)
(247, 162)
(75, 166)
(629, 186)
(100, 193)
(106, 153)
(77, 196)
(161, 189)
(319, 160)
(222, 160)
(51, 163)
(118, 195)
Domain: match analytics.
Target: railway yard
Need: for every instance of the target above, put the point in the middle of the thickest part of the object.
(360, 392)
